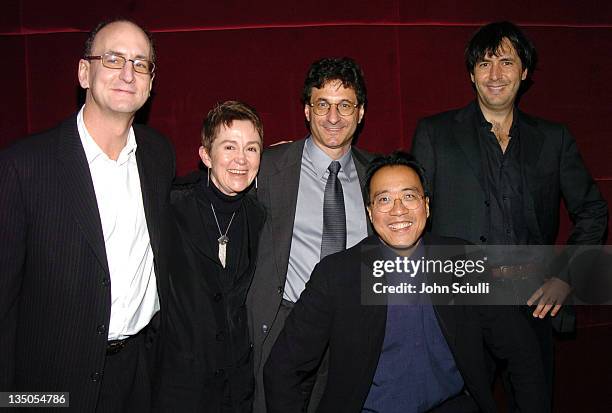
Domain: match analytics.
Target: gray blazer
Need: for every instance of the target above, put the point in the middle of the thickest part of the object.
(278, 183)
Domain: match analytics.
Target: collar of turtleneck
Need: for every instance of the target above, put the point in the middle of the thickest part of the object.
(222, 202)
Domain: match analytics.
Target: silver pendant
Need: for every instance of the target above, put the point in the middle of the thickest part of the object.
(222, 251)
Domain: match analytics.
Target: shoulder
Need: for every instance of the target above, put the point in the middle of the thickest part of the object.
(254, 207)
(184, 187)
(281, 156)
(146, 135)
(282, 150)
(446, 117)
(350, 257)
(39, 145)
(432, 239)
(543, 125)
(363, 156)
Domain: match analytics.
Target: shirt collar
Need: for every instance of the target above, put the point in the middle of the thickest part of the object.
(93, 151)
(320, 160)
(486, 124)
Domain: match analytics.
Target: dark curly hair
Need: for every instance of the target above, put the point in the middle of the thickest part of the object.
(328, 69)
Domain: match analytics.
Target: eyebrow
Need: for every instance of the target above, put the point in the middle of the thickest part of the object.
(384, 191)
(235, 142)
(138, 56)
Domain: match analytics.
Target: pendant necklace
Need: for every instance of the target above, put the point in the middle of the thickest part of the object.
(223, 239)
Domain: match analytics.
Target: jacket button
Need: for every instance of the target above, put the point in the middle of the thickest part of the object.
(95, 376)
(483, 238)
(279, 290)
(487, 203)
(219, 372)
(217, 297)
(220, 336)
(101, 329)
(105, 282)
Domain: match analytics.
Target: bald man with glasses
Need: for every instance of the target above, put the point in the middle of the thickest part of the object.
(79, 211)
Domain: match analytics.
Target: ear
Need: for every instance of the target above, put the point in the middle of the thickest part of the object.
(472, 77)
(524, 75)
(427, 206)
(361, 113)
(307, 112)
(205, 157)
(369, 212)
(83, 73)
(151, 83)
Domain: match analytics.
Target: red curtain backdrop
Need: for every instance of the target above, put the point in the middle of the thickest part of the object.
(259, 51)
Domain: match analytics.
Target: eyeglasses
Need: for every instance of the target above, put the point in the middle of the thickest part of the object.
(386, 201)
(115, 61)
(322, 107)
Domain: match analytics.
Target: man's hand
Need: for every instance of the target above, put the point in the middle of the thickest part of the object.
(551, 294)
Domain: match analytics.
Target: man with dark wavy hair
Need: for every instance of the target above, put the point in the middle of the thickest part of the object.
(299, 184)
(498, 175)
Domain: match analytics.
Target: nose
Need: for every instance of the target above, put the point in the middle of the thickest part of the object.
(333, 116)
(398, 207)
(495, 72)
(127, 72)
(241, 159)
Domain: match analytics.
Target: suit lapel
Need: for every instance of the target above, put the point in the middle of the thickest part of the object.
(150, 188)
(78, 189)
(361, 165)
(283, 189)
(464, 136)
(531, 142)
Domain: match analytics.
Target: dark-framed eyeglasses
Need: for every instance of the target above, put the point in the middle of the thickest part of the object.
(386, 201)
(344, 108)
(116, 61)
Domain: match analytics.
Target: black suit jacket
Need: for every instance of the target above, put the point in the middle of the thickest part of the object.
(330, 310)
(55, 297)
(279, 178)
(204, 322)
(551, 167)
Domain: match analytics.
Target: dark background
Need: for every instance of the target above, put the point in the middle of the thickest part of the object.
(259, 51)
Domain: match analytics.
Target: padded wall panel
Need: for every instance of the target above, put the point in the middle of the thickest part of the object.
(197, 14)
(13, 107)
(52, 77)
(571, 85)
(525, 12)
(10, 17)
(266, 67)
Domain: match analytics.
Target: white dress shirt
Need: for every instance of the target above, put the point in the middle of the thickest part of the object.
(134, 298)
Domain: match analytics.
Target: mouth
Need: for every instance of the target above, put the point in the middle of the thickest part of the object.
(129, 92)
(237, 171)
(399, 226)
(496, 88)
(334, 130)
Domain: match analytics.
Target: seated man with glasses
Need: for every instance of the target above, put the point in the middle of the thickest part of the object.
(79, 246)
(410, 354)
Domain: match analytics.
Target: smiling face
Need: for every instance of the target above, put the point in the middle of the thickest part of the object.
(400, 227)
(116, 91)
(333, 133)
(234, 157)
(498, 78)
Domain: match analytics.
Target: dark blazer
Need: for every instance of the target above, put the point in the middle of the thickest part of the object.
(279, 178)
(330, 310)
(204, 322)
(551, 167)
(55, 297)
